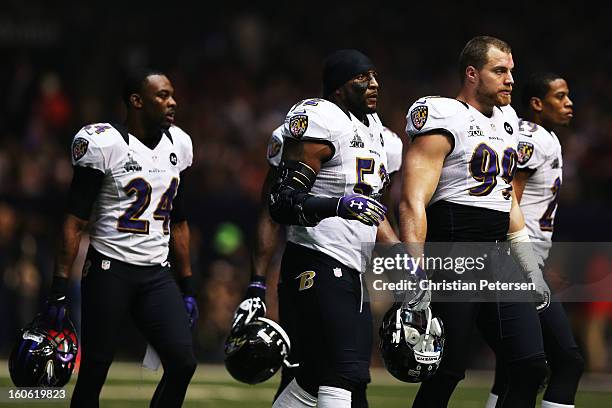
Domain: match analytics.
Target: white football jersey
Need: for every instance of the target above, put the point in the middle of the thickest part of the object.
(392, 143)
(358, 165)
(479, 169)
(131, 216)
(393, 146)
(540, 150)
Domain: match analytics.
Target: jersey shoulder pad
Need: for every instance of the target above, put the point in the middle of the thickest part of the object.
(92, 145)
(509, 111)
(183, 144)
(533, 133)
(275, 147)
(389, 135)
(312, 119)
(433, 112)
(533, 144)
(393, 147)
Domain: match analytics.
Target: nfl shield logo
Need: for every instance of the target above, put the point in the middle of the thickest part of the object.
(524, 152)
(105, 264)
(298, 125)
(419, 116)
(337, 272)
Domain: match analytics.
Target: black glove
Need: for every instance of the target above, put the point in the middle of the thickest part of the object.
(253, 305)
(55, 312)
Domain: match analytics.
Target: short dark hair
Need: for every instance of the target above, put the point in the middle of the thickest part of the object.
(537, 85)
(134, 81)
(475, 52)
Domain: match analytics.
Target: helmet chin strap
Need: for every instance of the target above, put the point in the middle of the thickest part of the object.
(428, 315)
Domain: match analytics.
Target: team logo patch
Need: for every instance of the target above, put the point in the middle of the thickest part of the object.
(306, 280)
(79, 148)
(508, 128)
(298, 125)
(419, 116)
(524, 152)
(173, 159)
(274, 146)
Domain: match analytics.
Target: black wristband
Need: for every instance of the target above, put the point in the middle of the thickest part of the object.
(258, 280)
(319, 208)
(187, 285)
(257, 287)
(59, 287)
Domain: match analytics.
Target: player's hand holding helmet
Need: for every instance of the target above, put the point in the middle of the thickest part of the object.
(542, 291)
(253, 305)
(55, 310)
(361, 208)
(408, 269)
(411, 343)
(255, 351)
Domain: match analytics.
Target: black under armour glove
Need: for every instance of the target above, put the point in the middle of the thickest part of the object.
(253, 305)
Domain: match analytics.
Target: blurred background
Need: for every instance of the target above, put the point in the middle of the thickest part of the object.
(237, 68)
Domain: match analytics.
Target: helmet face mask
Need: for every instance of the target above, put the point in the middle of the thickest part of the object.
(43, 357)
(256, 351)
(411, 343)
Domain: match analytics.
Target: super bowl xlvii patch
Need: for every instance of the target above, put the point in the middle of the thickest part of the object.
(79, 148)
(298, 125)
(524, 152)
(274, 146)
(419, 116)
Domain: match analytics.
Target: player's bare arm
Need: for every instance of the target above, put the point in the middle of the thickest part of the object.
(517, 221)
(253, 304)
(179, 247)
(519, 181)
(421, 172)
(72, 231)
(385, 234)
(310, 153)
(266, 240)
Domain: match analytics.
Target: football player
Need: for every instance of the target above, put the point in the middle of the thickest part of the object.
(536, 183)
(127, 193)
(333, 170)
(456, 188)
(267, 241)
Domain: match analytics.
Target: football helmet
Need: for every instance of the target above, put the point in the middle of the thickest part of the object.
(255, 351)
(411, 343)
(42, 356)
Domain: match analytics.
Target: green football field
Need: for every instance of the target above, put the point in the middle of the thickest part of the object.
(130, 386)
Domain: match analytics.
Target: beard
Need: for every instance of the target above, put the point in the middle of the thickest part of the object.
(492, 98)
